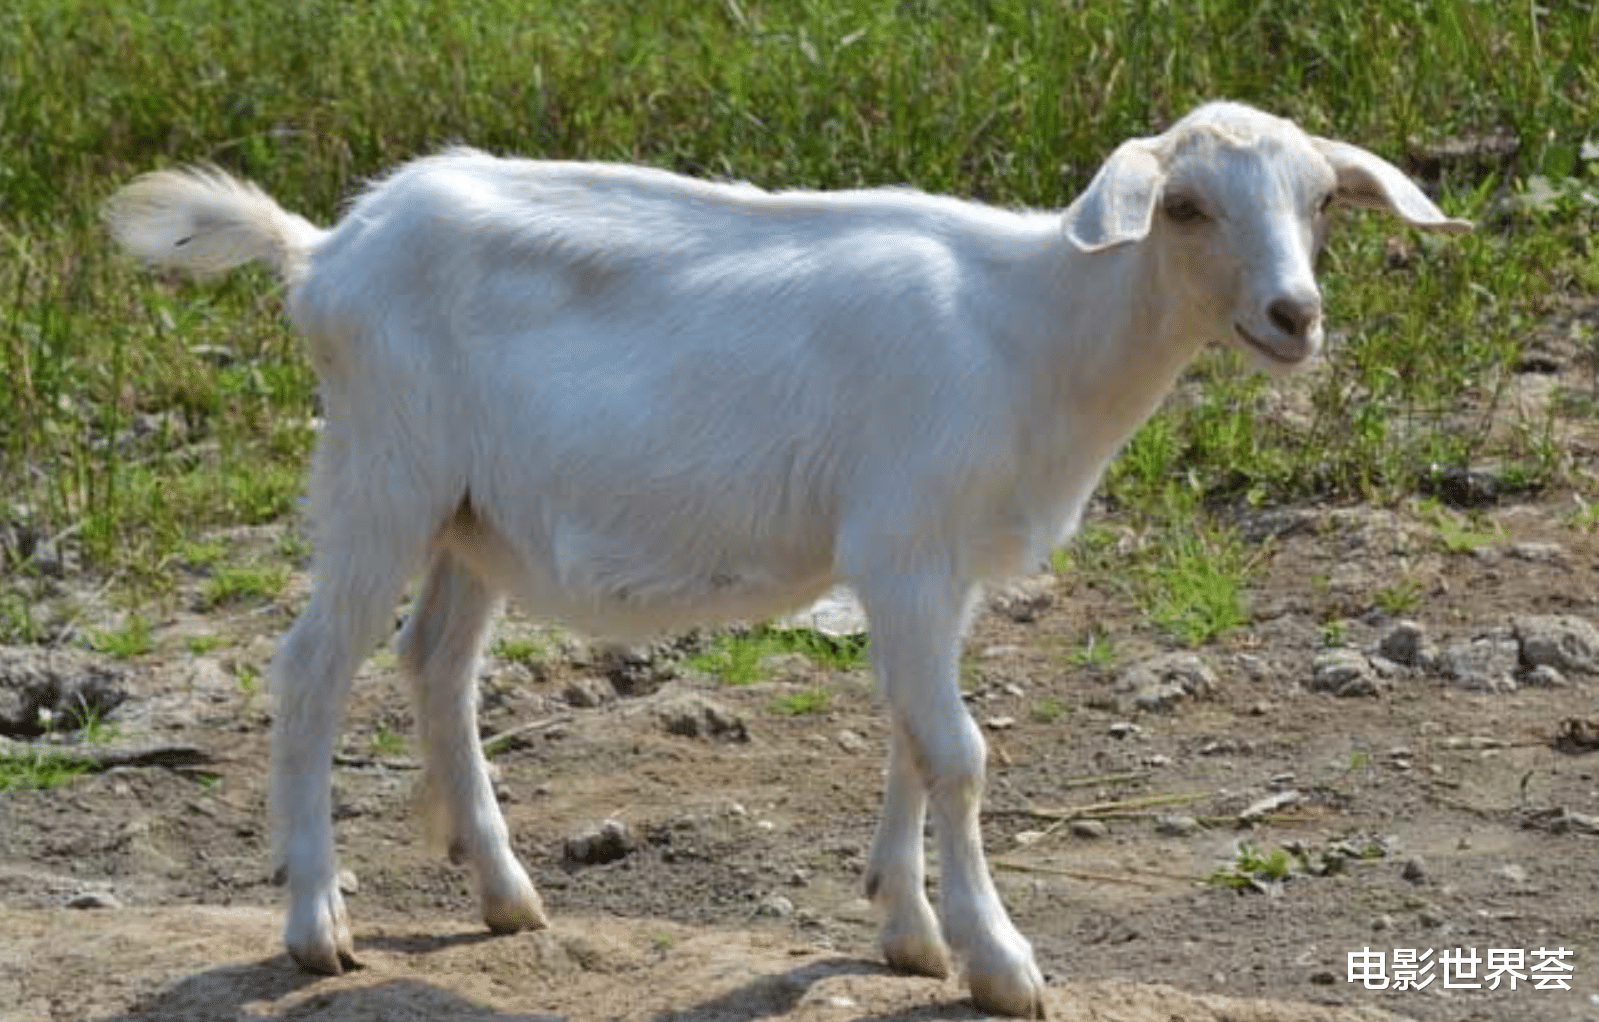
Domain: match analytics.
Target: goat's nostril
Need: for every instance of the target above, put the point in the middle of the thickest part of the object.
(1291, 317)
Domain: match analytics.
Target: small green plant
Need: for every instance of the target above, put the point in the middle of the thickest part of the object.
(1096, 651)
(1359, 761)
(386, 742)
(1049, 709)
(242, 584)
(1459, 534)
(200, 645)
(39, 770)
(1399, 598)
(1194, 589)
(1333, 631)
(201, 555)
(249, 679)
(90, 723)
(1251, 866)
(131, 640)
(797, 704)
(528, 651)
(736, 658)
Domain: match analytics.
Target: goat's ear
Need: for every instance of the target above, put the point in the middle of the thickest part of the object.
(1120, 201)
(1371, 182)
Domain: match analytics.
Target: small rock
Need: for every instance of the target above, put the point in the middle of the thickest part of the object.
(694, 716)
(1125, 729)
(1022, 600)
(1269, 804)
(1323, 978)
(57, 685)
(94, 899)
(587, 693)
(1513, 873)
(1565, 642)
(1088, 829)
(1544, 676)
(787, 666)
(1159, 683)
(799, 876)
(852, 743)
(998, 652)
(609, 841)
(348, 884)
(1344, 673)
(1537, 553)
(837, 615)
(1383, 922)
(1000, 723)
(1415, 870)
(775, 906)
(1485, 664)
(1175, 825)
(1431, 917)
(1407, 643)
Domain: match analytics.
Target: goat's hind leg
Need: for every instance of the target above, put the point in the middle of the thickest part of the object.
(357, 581)
(439, 649)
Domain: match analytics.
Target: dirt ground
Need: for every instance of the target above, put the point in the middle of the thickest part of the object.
(1429, 789)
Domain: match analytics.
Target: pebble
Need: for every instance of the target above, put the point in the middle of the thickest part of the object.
(1089, 829)
(1415, 870)
(852, 743)
(94, 899)
(775, 906)
(609, 841)
(348, 884)
(1125, 729)
(1175, 825)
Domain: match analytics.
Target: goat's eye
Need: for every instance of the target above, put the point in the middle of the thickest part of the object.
(1184, 210)
(1325, 204)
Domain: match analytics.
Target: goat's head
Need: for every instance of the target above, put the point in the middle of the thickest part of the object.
(1235, 203)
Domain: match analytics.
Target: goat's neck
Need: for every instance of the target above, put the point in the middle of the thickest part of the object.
(1116, 350)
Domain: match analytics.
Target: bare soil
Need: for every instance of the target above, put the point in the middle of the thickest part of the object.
(741, 896)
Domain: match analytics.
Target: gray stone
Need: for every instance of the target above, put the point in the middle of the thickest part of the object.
(1023, 599)
(837, 615)
(775, 906)
(1089, 829)
(609, 841)
(1407, 644)
(1175, 825)
(1567, 643)
(1544, 676)
(1415, 870)
(1343, 672)
(589, 692)
(1159, 683)
(1484, 664)
(94, 899)
(695, 716)
(65, 684)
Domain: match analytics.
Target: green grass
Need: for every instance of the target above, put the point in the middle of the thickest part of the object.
(735, 658)
(798, 704)
(38, 770)
(130, 640)
(526, 651)
(386, 742)
(137, 413)
(243, 583)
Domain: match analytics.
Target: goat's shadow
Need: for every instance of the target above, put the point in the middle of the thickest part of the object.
(227, 992)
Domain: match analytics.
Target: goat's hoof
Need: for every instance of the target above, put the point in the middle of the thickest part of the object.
(515, 909)
(919, 954)
(1019, 994)
(317, 935)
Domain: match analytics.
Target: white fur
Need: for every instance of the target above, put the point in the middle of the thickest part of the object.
(635, 401)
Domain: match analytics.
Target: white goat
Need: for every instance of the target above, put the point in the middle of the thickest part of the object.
(636, 401)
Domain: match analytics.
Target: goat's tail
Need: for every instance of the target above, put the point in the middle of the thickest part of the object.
(203, 221)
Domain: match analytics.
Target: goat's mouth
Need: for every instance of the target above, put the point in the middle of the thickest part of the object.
(1302, 350)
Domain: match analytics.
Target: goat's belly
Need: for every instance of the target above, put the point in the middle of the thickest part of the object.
(619, 589)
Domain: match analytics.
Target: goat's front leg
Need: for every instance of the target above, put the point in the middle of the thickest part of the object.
(895, 880)
(916, 634)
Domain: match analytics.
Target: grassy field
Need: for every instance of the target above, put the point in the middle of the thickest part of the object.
(137, 413)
